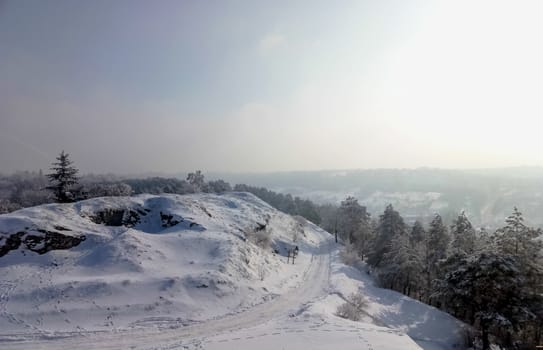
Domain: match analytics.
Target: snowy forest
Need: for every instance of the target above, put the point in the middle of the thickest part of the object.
(490, 280)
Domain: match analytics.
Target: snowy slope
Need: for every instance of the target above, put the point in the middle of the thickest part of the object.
(178, 273)
(129, 277)
(428, 326)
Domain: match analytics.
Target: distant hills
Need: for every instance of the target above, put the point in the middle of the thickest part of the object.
(486, 195)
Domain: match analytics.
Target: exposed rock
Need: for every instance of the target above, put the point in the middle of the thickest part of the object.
(117, 217)
(143, 212)
(39, 241)
(168, 220)
(11, 242)
(131, 218)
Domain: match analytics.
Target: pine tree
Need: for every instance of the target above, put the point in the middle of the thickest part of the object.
(517, 239)
(486, 290)
(401, 267)
(525, 244)
(463, 236)
(417, 234)
(354, 225)
(436, 246)
(63, 177)
(484, 241)
(391, 225)
(438, 239)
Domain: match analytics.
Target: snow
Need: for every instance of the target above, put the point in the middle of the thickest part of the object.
(428, 326)
(196, 285)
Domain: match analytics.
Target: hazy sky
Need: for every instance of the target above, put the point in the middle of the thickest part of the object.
(136, 86)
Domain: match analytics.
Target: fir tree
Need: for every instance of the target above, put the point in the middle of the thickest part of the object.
(63, 178)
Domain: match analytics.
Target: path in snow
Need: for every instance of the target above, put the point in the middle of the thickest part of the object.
(314, 286)
(6, 287)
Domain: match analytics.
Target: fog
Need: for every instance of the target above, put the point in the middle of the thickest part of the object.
(170, 86)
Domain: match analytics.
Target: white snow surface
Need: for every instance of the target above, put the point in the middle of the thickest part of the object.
(196, 285)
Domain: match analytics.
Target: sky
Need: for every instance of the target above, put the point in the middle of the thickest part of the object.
(255, 86)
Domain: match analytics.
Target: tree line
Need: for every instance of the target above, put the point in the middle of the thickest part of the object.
(492, 281)
(63, 184)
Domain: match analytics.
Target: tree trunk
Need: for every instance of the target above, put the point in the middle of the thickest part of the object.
(335, 228)
(486, 341)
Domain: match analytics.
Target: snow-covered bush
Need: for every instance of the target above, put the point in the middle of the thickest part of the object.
(260, 238)
(219, 186)
(349, 255)
(117, 189)
(6, 206)
(298, 228)
(353, 308)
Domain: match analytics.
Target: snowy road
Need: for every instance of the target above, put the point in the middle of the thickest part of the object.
(315, 285)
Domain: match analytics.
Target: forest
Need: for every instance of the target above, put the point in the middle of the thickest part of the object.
(490, 280)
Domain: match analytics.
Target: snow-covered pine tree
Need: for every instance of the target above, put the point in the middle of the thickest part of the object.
(437, 243)
(485, 289)
(417, 234)
(63, 177)
(354, 225)
(525, 244)
(484, 240)
(390, 226)
(463, 236)
(401, 267)
(438, 239)
(350, 217)
(517, 239)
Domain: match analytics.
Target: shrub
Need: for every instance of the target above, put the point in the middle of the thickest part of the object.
(353, 308)
(349, 255)
(260, 238)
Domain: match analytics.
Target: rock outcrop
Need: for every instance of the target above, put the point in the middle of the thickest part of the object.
(39, 240)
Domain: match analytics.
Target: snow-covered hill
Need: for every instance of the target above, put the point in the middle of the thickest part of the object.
(162, 260)
(184, 272)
